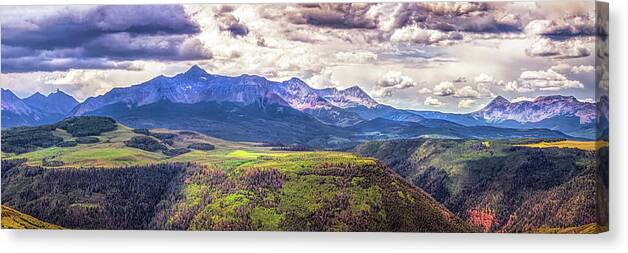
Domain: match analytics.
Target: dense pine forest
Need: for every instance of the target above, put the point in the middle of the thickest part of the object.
(88, 198)
(501, 186)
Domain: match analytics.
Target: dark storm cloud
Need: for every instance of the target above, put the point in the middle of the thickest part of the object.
(447, 17)
(577, 26)
(73, 28)
(342, 16)
(97, 37)
(339, 16)
(228, 22)
(28, 64)
(461, 17)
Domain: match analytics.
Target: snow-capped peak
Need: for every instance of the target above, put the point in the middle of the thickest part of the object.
(350, 97)
(543, 107)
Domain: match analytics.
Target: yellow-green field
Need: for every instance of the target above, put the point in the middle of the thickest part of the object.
(592, 228)
(582, 145)
(13, 219)
(112, 152)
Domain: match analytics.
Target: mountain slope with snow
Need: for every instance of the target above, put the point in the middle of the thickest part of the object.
(17, 112)
(561, 113)
(57, 102)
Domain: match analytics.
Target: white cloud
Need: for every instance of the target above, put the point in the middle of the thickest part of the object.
(416, 34)
(561, 67)
(425, 91)
(484, 78)
(460, 79)
(520, 99)
(537, 27)
(571, 48)
(391, 81)
(467, 92)
(466, 103)
(356, 57)
(582, 69)
(514, 86)
(430, 101)
(444, 89)
(396, 79)
(484, 82)
(547, 81)
(574, 25)
(564, 68)
(324, 79)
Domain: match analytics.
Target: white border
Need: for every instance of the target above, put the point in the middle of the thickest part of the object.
(158, 241)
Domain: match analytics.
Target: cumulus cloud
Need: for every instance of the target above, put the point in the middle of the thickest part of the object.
(98, 37)
(521, 99)
(425, 91)
(514, 86)
(583, 25)
(444, 89)
(323, 79)
(561, 67)
(460, 79)
(439, 22)
(483, 83)
(416, 34)
(582, 69)
(446, 16)
(483, 78)
(467, 92)
(356, 57)
(391, 81)
(564, 68)
(430, 101)
(466, 103)
(229, 23)
(341, 16)
(396, 79)
(546, 81)
(562, 49)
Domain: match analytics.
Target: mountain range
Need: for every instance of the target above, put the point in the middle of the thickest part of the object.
(36, 109)
(253, 108)
(561, 113)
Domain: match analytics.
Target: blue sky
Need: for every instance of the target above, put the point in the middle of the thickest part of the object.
(437, 56)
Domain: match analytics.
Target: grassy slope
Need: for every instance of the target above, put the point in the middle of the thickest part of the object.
(109, 152)
(112, 152)
(497, 185)
(247, 187)
(592, 228)
(13, 219)
(302, 191)
(582, 145)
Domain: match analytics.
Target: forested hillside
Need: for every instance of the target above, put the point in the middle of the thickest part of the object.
(501, 186)
(235, 190)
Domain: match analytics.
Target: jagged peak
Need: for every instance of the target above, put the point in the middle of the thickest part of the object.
(59, 92)
(8, 92)
(358, 92)
(555, 97)
(196, 70)
(36, 95)
(497, 101)
(500, 99)
(354, 88)
(295, 79)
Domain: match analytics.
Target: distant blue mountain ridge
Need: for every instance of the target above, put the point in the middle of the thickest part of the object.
(253, 108)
